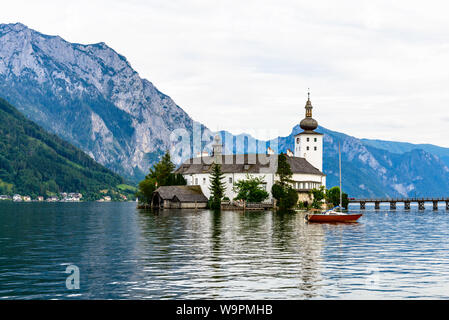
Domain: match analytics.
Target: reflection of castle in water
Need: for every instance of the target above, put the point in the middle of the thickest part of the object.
(224, 255)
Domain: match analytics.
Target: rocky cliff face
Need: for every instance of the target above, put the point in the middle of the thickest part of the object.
(88, 95)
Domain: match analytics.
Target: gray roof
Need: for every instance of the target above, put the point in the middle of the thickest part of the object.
(183, 193)
(246, 163)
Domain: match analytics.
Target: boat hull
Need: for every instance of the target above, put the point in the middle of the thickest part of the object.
(333, 218)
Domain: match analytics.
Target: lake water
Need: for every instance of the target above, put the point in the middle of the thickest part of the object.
(125, 253)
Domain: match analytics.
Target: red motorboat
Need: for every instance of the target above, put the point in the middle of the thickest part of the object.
(331, 217)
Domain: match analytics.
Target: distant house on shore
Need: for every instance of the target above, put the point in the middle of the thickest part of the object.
(184, 197)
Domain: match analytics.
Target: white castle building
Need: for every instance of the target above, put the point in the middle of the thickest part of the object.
(306, 163)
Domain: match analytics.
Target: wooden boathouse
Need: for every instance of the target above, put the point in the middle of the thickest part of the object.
(179, 197)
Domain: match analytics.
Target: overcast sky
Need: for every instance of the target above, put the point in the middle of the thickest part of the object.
(376, 69)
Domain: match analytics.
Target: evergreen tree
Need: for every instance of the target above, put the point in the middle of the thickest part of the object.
(217, 187)
(284, 171)
(289, 200)
(282, 190)
(160, 175)
(163, 170)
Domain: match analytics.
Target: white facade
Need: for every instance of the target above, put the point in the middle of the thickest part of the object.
(301, 181)
(310, 147)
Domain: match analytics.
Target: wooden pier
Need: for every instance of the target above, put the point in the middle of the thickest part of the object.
(407, 201)
(243, 205)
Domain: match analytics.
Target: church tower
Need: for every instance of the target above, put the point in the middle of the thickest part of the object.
(308, 143)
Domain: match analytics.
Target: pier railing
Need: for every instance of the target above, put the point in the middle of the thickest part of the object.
(407, 201)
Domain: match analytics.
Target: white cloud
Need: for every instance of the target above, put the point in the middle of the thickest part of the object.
(376, 69)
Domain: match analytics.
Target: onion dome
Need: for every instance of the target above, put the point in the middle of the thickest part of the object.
(308, 123)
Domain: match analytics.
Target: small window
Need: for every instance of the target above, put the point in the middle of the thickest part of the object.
(204, 180)
(315, 139)
(297, 140)
(230, 180)
(315, 148)
(307, 148)
(196, 181)
(308, 139)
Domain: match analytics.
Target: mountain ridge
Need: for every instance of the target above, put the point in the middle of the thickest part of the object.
(90, 96)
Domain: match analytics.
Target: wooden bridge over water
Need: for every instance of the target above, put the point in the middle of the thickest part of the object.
(407, 201)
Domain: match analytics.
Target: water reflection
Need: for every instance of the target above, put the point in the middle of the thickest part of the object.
(236, 254)
(126, 253)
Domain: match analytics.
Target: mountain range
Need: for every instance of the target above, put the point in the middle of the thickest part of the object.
(90, 96)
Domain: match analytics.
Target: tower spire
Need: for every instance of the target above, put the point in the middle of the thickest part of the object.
(308, 105)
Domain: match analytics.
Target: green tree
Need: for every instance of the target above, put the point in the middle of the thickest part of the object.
(333, 197)
(289, 200)
(251, 189)
(318, 196)
(284, 172)
(146, 189)
(277, 191)
(217, 187)
(160, 175)
(282, 189)
(163, 170)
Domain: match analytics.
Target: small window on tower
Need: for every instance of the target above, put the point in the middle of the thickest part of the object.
(230, 180)
(308, 139)
(307, 148)
(315, 139)
(315, 148)
(297, 140)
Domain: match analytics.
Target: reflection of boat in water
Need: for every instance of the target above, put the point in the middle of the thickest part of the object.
(332, 216)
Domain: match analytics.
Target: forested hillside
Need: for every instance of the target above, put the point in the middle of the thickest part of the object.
(35, 162)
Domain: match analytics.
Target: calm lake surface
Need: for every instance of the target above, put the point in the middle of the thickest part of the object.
(125, 253)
